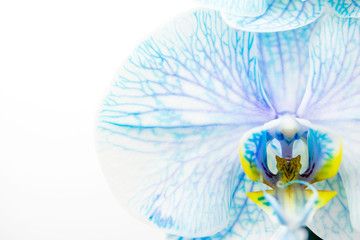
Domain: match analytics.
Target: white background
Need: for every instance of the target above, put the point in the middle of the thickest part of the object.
(56, 60)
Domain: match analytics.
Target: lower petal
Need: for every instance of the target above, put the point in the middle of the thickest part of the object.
(247, 220)
(332, 222)
(349, 173)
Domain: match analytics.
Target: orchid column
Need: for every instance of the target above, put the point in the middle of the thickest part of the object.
(205, 86)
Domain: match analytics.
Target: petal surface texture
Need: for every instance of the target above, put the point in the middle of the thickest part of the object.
(346, 8)
(247, 8)
(280, 15)
(332, 97)
(332, 222)
(247, 220)
(170, 126)
(283, 61)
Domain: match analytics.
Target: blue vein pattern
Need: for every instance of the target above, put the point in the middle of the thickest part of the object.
(332, 221)
(284, 62)
(332, 98)
(169, 128)
(250, 8)
(247, 222)
(280, 15)
(346, 8)
(170, 125)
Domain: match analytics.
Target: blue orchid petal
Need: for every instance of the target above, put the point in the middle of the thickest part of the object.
(281, 15)
(332, 222)
(333, 94)
(283, 60)
(333, 89)
(170, 125)
(249, 8)
(247, 220)
(346, 8)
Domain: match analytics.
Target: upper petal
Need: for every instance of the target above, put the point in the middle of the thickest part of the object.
(332, 91)
(346, 8)
(332, 96)
(284, 64)
(250, 8)
(280, 15)
(170, 125)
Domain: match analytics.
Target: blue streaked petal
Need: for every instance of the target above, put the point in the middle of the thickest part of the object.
(249, 8)
(284, 63)
(281, 15)
(170, 125)
(333, 92)
(332, 96)
(332, 222)
(350, 172)
(346, 8)
(247, 220)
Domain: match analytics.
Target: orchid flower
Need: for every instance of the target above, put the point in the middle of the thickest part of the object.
(192, 95)
(280, 15)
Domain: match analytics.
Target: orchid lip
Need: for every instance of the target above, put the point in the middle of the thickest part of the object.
(319, 148)
(277, 145)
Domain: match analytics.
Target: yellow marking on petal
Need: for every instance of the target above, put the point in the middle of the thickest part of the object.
(290, 201)
(260, 200)
(331, 165)
(324, 197)
(247, 150)
(249, 168)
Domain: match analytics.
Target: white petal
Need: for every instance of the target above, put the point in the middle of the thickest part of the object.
(284, 63)
(248, 221)
(332, 222)
(332, 96)
(170, 126)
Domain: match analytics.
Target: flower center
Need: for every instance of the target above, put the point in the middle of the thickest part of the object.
(288, 168)
(288, 154)
(279, 150)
